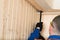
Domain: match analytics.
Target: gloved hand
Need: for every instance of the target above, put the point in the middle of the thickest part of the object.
(40, 25)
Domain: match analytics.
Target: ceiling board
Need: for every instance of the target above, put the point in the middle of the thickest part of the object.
(42, 5)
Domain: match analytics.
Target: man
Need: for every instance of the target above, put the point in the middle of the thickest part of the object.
(54, 29)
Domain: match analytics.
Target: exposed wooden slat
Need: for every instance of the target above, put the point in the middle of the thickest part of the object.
(50, 13)
(17, 18)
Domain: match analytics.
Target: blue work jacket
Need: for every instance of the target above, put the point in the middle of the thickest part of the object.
(34, 34)
(54, 37)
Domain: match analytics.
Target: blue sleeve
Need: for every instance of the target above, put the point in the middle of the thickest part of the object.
(34, 34)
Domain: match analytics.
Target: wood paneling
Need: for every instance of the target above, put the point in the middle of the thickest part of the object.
(17, 19)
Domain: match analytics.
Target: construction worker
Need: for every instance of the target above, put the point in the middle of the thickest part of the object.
(54, 29)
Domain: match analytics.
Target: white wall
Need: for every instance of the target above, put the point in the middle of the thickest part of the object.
(46, 19)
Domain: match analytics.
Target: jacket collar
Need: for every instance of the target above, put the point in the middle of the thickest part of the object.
(54, 37)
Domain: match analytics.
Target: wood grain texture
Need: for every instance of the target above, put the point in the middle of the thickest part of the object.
(17, 19)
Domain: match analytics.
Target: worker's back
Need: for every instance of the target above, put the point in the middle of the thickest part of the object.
(54, 37)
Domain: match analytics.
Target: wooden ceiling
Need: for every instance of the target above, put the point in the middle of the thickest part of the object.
(40, 7)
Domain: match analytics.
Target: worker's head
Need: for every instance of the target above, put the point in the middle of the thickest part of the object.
(55, 26)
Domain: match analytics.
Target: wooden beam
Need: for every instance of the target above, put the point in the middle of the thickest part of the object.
(53, 10)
